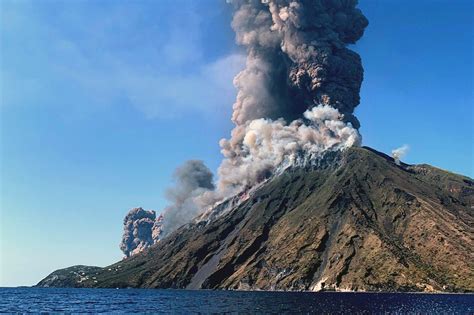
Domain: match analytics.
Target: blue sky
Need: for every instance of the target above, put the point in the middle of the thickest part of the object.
(101, 100)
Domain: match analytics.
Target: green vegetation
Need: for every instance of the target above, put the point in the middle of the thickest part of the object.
(358, 222)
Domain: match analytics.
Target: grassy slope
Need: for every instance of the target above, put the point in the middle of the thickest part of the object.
(361, 223)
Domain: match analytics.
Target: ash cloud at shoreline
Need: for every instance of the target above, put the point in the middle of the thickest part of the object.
(141, 229)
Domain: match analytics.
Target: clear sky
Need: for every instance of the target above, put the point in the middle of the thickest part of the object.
(101, 100)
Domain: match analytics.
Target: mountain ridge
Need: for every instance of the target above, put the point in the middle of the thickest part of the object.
(359, 223)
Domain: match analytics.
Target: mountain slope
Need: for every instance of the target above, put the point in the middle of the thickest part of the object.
(357, 221)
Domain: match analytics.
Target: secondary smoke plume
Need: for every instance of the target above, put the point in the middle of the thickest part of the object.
(191, 180)
(400, 153)
(141, 230)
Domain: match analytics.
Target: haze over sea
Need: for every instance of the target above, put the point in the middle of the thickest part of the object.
(12, 300)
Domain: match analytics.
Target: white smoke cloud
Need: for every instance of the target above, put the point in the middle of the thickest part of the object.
(264, 145)
(399, 153)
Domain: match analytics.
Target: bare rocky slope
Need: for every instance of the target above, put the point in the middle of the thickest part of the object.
(357, 222)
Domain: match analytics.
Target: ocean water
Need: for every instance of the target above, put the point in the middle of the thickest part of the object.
(14, 300)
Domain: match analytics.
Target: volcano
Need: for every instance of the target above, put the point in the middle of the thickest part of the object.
(355, 221)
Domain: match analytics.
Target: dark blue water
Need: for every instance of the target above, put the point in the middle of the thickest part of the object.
(181, 301)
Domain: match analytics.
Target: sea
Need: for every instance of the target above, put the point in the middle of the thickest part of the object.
(53, 300)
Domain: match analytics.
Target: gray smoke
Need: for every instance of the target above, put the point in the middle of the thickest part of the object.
(141, 230)
(299, 89)
(192, 179)
(297, 58)
(157, 229)
(295, 99)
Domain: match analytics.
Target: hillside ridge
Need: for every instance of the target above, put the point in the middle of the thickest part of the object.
(361, 223)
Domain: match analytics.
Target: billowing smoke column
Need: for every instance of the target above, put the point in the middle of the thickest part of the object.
(191, 180)
(295, 100)
(297, 57)
(141, 230)
(297, 94)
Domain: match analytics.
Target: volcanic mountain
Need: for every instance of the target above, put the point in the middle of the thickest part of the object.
(356, 220)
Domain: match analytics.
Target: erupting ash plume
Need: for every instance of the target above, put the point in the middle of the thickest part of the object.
(141, 230)
(295, 99)
(299, 89)
(297, 57)
(399, 153)
(191, 180)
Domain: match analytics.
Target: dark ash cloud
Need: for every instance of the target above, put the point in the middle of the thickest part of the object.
(141, 230)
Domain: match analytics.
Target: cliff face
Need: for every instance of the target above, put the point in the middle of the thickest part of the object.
(357, 222)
